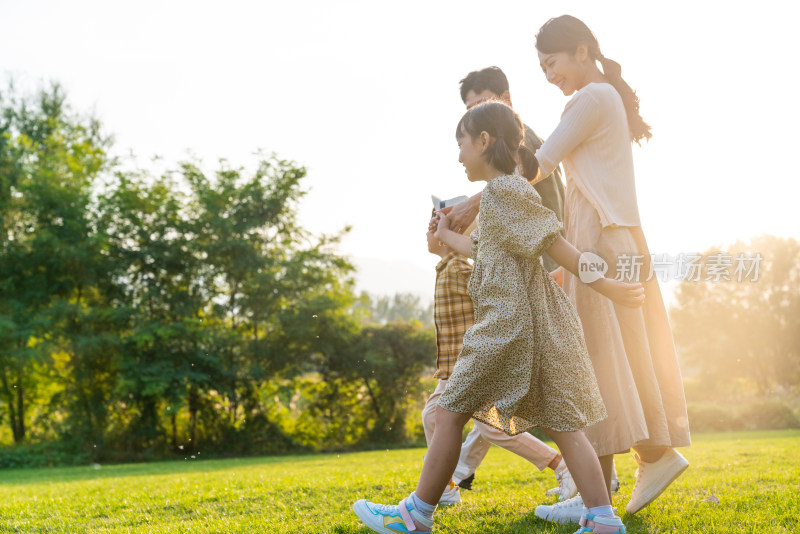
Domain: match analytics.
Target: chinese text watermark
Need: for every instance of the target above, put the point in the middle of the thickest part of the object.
(685, 266)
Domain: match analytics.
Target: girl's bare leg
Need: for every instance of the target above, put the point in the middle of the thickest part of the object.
(442, 455)
(584, 466)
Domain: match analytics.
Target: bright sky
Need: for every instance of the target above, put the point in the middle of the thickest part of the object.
(365, 94)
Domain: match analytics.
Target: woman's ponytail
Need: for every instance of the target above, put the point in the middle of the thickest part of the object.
(613, 73)
(565, 34)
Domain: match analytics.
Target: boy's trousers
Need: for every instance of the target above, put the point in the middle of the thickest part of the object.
(477, 444)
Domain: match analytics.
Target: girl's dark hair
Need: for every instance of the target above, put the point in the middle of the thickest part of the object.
(504, 126)
(565, 34)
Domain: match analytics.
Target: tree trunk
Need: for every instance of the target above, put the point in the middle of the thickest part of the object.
(12, 411)
(193, 416)
(86, 405)
(375, 404)
(20, 412)
(234, 404)
(174, 432)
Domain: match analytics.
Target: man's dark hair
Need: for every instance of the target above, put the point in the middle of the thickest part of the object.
(491, 78)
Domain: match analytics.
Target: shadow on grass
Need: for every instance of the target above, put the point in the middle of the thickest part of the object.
(525, 524)
(530, 523)
(26, 476)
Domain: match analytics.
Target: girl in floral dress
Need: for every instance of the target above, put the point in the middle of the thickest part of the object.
(524, 362)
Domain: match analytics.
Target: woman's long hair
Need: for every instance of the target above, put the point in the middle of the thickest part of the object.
(565, 34)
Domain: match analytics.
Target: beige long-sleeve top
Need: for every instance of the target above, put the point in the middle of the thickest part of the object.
(592, 142)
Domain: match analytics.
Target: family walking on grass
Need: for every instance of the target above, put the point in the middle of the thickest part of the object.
(522, 341)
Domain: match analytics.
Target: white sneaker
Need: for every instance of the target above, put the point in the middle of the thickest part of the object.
(653, 478)
(566, 486)
(451, 495)
(614, 480)
(565, 512)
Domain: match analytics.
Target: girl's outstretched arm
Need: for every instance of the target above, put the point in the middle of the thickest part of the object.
(460, 243)
(627, 294)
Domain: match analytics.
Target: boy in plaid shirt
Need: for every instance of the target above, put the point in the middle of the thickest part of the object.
(453, 316)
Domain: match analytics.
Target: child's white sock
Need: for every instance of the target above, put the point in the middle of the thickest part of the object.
(422, 507)
(602, 511)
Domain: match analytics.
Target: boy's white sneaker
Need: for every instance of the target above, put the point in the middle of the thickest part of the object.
(564, 512)
(451, 495)
(653, 478)
(566, 486)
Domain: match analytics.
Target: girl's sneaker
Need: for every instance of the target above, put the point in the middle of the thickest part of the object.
(392, 519)
(600, 525)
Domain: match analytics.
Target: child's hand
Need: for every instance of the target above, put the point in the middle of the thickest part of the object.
(624, 293)
(443, 223)
(434, 222)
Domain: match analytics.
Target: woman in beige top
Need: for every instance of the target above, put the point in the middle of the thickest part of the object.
(632, 351)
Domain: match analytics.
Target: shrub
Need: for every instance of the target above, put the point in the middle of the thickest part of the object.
(753, 414)
(768, 414)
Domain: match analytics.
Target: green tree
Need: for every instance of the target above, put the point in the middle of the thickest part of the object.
(50, 160)
(162, 354)
(386, 361)
(394, 356)
(139, 312)
(262, 270)
(741, 338)
(399, 307)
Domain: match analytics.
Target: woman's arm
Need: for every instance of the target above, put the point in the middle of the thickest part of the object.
(626, 294)
(581, 119)
(460, 243)
(462, 214)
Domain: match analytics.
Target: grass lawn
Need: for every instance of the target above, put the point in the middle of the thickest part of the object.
(755, 476)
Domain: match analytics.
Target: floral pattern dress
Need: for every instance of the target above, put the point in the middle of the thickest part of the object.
(524, 362)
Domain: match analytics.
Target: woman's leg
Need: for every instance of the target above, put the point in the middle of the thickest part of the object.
(607, 464)
(658, 468)
(442, 456)
(584, 466)
(650, 454)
